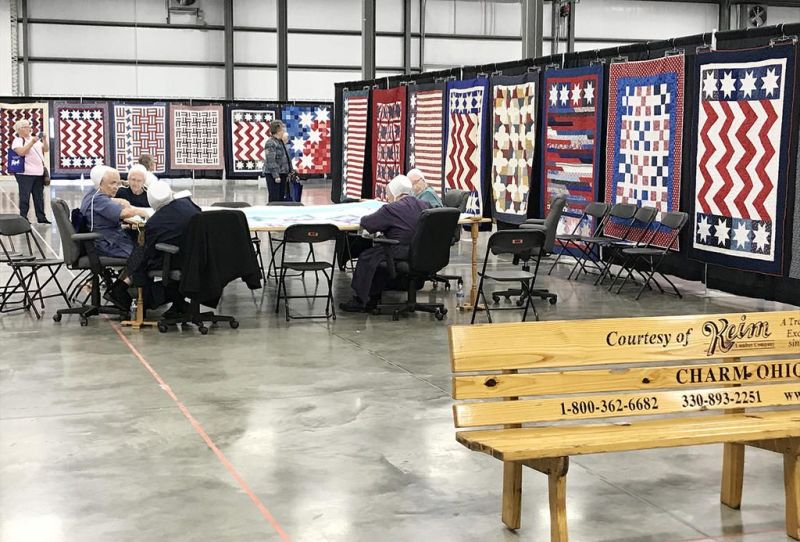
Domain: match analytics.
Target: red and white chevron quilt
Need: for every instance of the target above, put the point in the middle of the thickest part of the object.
(249, 134)
(82, 136)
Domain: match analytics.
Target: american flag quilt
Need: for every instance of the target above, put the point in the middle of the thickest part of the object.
(309, 129)
(36, 113)
(388, 137)
(425, 147)
(743, 137)
(645, 135)
(465, 129)
(82, 138)
(246, 133)
(513, 144)
(140, 128)
(355, 107)
(572, 109)
(196, 136)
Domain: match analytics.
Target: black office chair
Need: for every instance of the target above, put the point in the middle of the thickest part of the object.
(25, 268)
(310, 234)
(549, 225)
(518, 242)
(255, 238)
(429, 253)
(453, 199)
(80, 255)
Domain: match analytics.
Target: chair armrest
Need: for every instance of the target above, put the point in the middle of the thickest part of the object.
(385, 241)
(166, 247)
(386, 245)
(80, 237)
(535, 227)
(534, 221)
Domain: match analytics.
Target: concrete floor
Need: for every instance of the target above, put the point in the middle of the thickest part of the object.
(315, 431)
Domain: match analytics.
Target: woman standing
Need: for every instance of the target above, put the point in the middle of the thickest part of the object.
(276, 163)
(31, 181)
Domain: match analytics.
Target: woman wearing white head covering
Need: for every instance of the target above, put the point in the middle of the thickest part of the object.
(396, 220)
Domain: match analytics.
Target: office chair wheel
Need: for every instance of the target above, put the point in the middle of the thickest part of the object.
(447, 285)
(520, 302)
(163, 328)
(553, 300)
(440, 314)
(435, 284)
(496, 298)
(203, 330)
(396, 315)
(56, 317)
(84, 321)
(234, 324)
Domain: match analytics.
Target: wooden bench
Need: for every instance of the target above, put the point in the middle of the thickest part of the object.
(544, 391)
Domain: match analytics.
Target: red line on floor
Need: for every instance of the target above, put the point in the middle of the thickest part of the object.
(209, 442)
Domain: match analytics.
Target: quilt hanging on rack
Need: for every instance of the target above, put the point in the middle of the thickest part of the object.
(309, 129)
(645, 134)
(36, 113)
(425, 142)
(140, 128)
(82, 138)
(465, 126)
(355, 107)
(513, 144)
(196, 136)
(572, 106)
(388, 137)
(741, 177)
(246, 133)
(794, 270)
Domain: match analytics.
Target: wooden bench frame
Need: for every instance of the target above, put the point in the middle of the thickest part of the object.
(728, 363)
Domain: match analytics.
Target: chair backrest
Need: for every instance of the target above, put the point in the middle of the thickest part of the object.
(551, 222)
(231, 204)
(285, 204)
(430, 246)
(14, 225)
(70, 248)
(456, 199)
(596, 209)
(310, 233)
(517, 242)
(674, 220)
(643, 220)
(623, 211)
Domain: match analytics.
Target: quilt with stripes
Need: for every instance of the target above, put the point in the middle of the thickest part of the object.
(37, 113)
(309, 129)
(465, 129)
(196, 136)
(513, 144)
(140, 128)
(82, 138)
(247, 131)
(355, 111)
(425, 142)
(645, 138)
(388, 137)
(741, 178)
(572, 109)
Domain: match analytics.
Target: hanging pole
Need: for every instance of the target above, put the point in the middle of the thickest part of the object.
(283, 53)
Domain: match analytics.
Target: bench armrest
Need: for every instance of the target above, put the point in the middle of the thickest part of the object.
(166, 247)
(79, 237)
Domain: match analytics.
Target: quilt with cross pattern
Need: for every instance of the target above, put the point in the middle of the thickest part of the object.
(140, 128)
(388, 137)
(644, 142)
(36, 113)
(196, 135)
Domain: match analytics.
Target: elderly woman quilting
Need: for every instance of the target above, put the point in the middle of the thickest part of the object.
(135, 193)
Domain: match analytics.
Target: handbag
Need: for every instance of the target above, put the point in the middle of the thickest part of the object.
(45, 172)
(16, 163)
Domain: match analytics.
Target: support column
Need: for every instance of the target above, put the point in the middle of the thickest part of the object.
(283, 53)
(422, 7)
(724, 22)
(554, 27)
(229, 88)
(407, 37)
(368, 39)
(532, 28)
(26, 66)
(573, 6)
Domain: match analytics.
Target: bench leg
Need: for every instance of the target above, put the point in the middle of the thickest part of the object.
(791, 478)
(557, 486)
(732, 475)
(512, 494)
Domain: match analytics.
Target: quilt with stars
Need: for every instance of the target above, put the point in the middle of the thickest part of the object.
(309, 129)
(513, 144)
(140, 128)
(572, 109)
(465, 129)
(82, 138)
(741, 177)
(246, 134)
(425, 147)
(355, 111)
(37, 113)
(645, 138)
(196, 135)
(388, 137)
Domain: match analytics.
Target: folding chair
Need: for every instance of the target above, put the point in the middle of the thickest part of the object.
(520, 242)
(640, 234)
(621, 213)
(276, 243)
(25, 268)
(652, 257)
(310, 234)
(256, 239)
(597, 211)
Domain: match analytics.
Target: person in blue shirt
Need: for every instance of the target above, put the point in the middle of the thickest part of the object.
(421, 189)
(104, 213)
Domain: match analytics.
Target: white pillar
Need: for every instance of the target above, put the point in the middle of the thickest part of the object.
(5, 48)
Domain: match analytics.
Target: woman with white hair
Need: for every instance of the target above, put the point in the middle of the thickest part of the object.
(135, 192)
(31, 180)
(396, 220)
